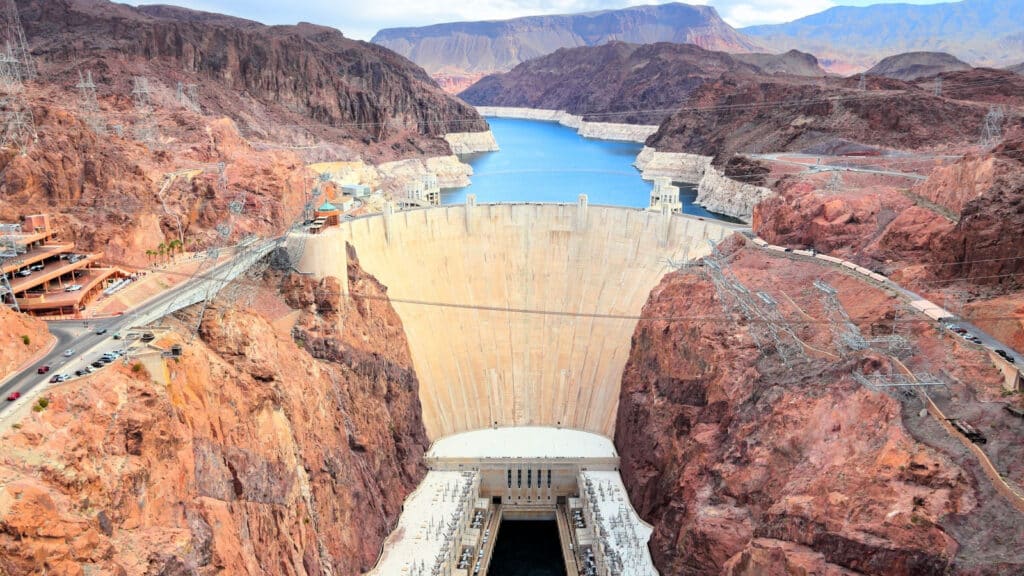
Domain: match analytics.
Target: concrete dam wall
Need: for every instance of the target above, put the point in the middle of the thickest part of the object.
(514, 312)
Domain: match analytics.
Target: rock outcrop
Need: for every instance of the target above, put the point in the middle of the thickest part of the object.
(265, 448)
(624, 83)
(498, 45)
(914, 65)
(21, 338)
(747, 466)
(471, 142)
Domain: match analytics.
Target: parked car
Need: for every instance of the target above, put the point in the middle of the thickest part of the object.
(36, 267)
(60, 378)
(97, 364)
(69, 352)
(73, 288)
(117, 336)
(1006, 356)
(42, 369)
(88, 370)
(101, 331)
(24, 273)
(148, 337)
(13, 396)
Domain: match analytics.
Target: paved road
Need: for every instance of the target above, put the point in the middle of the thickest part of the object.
(81, 334)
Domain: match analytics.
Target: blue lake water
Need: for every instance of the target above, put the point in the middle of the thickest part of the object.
(548, 162)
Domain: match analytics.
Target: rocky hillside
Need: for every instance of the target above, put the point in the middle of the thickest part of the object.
(263, 450)
(1018, 68)
(914, 65)
(619, 82)
(21, 338)
(496, 46)
(260, 101)
(260, 76)
(848, 38)
(747, 466)
(736, 114)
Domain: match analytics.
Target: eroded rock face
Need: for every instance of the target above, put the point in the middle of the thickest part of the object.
(21, 338)
(259, 456)
(751, 467)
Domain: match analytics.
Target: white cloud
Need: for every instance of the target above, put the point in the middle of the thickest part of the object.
(750, 12)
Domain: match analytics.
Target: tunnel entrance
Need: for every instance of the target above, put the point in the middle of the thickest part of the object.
(527, 548)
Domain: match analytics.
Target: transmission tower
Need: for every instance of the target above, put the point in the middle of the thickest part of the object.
(188, 96)
(90, 106)
(877, 380)
(14, 37)
(835, 182)
(145, 124)
(937, 89)
(862, 84)
(992, 126)
(19, 129)
(766, 325)
(9, 249)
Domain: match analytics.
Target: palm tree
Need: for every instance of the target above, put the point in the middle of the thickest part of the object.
(161, 249)
(150, 254)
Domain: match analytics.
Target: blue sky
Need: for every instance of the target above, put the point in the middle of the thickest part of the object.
(362, 18)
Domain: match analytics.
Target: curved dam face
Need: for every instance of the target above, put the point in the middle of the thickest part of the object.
(516, 314)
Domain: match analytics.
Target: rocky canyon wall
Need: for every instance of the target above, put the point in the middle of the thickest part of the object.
(747, 466)
(283, 441)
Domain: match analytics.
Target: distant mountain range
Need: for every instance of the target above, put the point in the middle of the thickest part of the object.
(630, 83)
(499, 45)
(982, 32)
(845, 39)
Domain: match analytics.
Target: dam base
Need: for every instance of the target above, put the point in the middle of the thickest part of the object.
(480, 480)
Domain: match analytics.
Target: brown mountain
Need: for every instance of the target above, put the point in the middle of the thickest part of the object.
(914, 65)
(621, 82)
(266, 100)
(736, 114)
(495, 46)
(258, 75)
(1019, 68)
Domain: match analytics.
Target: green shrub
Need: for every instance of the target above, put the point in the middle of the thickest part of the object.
(25, 339)
(138, 367)
(44, 402)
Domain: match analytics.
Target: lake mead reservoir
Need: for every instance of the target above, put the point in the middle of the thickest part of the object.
(546, 162)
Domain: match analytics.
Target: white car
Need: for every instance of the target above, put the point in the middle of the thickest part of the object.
(69, 352)
(73, 288)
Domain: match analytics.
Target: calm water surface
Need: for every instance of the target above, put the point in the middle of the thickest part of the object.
(527, 548)
(548, 162)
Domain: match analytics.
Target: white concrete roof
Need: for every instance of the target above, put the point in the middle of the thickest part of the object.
(619, 522)
(413, 546)
(523, 442)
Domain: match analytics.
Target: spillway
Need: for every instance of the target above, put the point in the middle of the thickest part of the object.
(516, 314)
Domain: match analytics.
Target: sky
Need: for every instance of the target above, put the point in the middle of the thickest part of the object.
(361, 19)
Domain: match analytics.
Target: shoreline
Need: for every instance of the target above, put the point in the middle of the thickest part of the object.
(637, 133)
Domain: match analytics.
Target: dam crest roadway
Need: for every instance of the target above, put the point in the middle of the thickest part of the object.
(519, 319)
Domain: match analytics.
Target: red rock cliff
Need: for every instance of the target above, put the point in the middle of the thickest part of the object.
(268, 450)
(749, 467)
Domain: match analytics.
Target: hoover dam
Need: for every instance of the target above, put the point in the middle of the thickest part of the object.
(519, 319)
